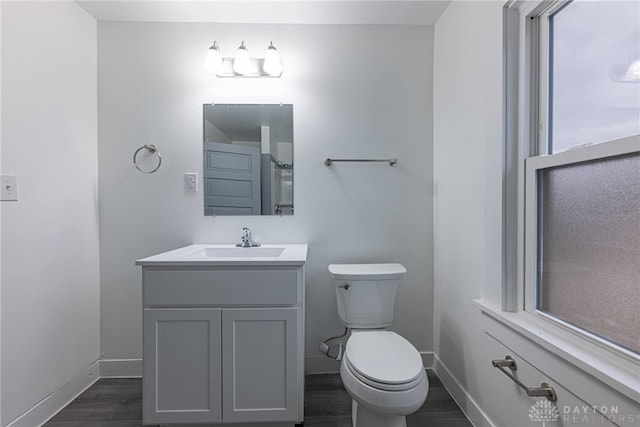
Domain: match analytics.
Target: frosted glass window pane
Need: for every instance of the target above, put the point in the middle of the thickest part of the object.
(594, 73)
(589, 247)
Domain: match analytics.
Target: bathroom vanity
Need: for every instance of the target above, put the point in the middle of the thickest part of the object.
(223, 335)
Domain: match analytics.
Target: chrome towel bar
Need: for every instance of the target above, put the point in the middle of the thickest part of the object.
(392, 162)
(545, 390)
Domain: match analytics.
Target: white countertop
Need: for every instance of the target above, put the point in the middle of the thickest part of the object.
(196, 255)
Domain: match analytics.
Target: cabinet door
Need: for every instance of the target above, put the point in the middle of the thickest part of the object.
(182, 366)
(260, 364)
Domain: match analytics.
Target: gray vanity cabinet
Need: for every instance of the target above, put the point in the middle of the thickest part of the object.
(259, 375)
(223, 345)
(182, 378)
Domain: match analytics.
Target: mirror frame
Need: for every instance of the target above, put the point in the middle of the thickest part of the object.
(248, 159)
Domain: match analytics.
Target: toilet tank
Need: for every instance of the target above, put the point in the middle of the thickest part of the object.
(366, 293)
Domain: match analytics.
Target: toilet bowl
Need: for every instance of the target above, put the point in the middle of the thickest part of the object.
(383, 374)
(382, 371)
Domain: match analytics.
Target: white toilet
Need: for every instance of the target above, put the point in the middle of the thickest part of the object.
(381, 370)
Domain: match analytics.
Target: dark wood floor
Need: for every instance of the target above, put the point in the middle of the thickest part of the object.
(117, 402)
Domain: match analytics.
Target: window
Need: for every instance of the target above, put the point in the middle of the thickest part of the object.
(593, 68)
(582, 175)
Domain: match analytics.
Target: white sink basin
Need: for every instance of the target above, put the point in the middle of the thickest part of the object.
(229, 254)
(235, 252)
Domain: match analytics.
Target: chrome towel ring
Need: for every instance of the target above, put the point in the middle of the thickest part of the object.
(151, 149)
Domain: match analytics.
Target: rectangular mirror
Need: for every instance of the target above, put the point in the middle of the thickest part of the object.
(248, 159)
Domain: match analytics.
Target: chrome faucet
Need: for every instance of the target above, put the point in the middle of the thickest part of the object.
(247, 241)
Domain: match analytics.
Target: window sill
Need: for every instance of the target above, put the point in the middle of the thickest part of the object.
(619, 373)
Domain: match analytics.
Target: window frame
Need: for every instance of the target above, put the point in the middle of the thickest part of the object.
(538, 163)
(526, 151)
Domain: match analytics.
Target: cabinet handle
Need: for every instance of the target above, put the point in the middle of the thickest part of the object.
(545, 389)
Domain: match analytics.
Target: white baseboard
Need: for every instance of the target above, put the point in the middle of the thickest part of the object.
(53, 403)
(427, 359)
(42, 411)
(467, 404)
(132, 368)
(121, 368)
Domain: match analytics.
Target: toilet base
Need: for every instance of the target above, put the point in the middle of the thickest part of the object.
(362, 417)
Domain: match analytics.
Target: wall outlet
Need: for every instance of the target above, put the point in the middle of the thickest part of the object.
(8, 188)
(191, 182)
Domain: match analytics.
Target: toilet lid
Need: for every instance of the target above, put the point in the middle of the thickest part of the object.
(384, 357)
(367, 271)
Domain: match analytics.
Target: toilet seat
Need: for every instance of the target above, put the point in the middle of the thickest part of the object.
(381, 385)
(384, 360)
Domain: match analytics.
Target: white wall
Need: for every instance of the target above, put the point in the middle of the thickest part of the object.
(468, 123)
(50, 259)
(0, 218)
(352, 98)
(467, 142)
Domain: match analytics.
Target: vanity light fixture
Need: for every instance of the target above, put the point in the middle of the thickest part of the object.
(626, 73)
(633, 72)
(213, 62)
(242, 61)
(242, 65)
(272, 63)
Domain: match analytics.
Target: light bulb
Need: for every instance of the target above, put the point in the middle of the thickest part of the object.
(242, 61)
(272, 63)
(213, 62)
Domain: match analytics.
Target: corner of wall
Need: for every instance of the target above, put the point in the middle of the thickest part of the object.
(49, 346)
(463, 398)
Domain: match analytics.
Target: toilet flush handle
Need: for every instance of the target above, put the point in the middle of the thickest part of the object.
(345, 286)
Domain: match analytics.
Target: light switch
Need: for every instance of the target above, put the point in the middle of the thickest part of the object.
(9, 189)
(191, 182)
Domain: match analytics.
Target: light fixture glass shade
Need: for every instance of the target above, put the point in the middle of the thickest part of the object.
(213, 61)
(633, 72)
(272, 63)
(242, 61)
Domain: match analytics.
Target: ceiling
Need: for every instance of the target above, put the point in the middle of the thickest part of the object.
(383, 12)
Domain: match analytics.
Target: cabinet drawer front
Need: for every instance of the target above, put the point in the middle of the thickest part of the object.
(567, 410)
(220, 287)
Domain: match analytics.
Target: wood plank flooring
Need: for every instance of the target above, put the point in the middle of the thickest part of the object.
(117, 402)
